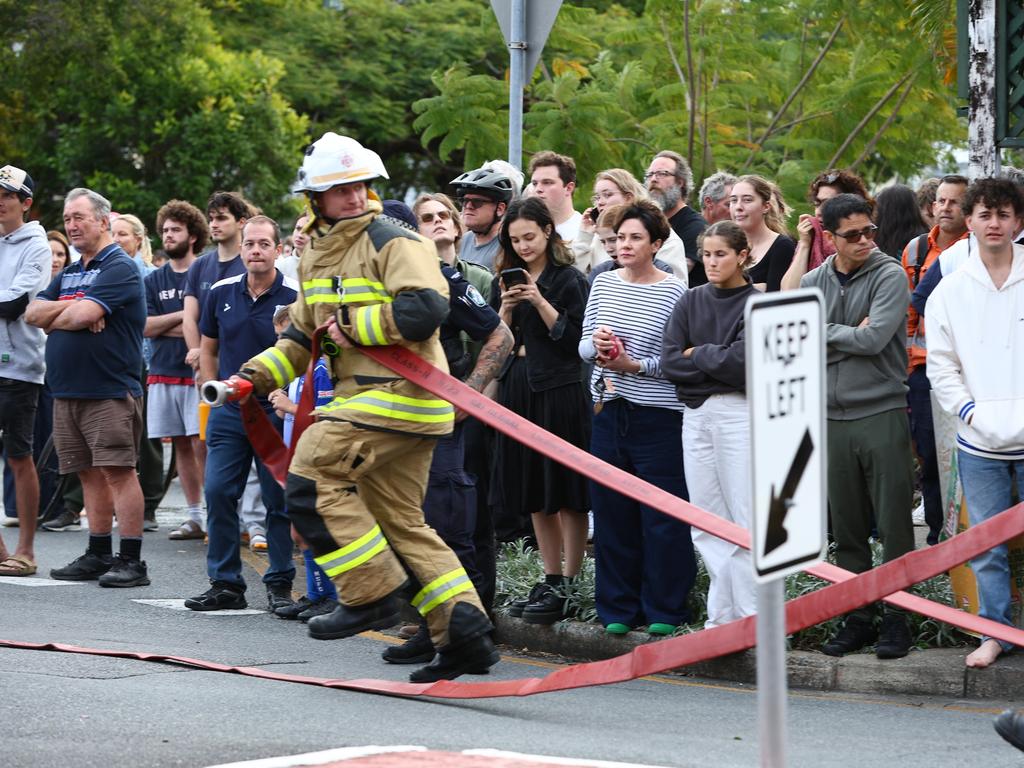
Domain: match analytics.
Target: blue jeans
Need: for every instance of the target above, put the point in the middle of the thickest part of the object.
(987, 487)
(644, 559)
(922, 429)
(228, 458)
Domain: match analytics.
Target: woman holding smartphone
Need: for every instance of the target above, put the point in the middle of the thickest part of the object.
(644, 559)
(541, 297)
(704, 353)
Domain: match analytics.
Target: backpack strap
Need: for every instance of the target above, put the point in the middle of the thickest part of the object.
(918, 256)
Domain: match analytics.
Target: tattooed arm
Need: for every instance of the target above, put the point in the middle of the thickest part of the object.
(492, 355)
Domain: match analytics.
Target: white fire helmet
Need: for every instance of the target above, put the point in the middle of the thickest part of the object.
(332, 160)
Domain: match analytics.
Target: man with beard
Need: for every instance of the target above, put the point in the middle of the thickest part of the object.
(173, 398)
(483, 196)
(669, 181)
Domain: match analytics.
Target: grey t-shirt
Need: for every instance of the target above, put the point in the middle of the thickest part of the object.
(482, 254)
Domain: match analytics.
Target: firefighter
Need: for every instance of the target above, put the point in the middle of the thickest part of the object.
(358, 477)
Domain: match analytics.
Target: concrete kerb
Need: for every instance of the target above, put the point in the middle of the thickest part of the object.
(936, 672)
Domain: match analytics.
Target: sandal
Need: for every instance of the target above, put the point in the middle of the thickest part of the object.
(17, 565)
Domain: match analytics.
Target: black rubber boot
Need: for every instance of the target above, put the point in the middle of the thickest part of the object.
(469, 650)
(416, 650)
(854, 635)
(348, 620)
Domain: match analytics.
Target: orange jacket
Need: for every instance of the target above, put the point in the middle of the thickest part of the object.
(917, 347)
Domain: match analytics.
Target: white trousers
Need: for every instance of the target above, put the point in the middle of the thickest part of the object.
(716, 455)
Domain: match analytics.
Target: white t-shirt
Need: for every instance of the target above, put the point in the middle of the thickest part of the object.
(569, 228)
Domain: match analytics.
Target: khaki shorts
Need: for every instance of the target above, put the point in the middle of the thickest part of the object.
(96, 433)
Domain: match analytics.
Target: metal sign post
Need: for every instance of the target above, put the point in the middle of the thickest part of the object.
(525, 25)
(785, 344)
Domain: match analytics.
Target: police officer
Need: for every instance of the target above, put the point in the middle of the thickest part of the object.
(358, 477)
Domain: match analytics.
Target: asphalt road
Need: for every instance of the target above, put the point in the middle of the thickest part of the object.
(64, 709)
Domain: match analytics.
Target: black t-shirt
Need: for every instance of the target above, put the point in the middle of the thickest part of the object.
(688, 224)
(774, 263)
(164, 295)
(206, 270)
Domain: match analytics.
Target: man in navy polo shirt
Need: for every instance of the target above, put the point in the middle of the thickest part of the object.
(95, 313)
(237, 324)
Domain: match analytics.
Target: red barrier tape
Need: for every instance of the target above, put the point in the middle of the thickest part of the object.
(849, 591)
(803, 612)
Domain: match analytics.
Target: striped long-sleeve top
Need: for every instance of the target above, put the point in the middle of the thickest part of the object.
(637, 313)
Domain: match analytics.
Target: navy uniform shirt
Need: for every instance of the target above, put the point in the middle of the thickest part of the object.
(164, 295)
(469, 313)
(104, 365)
(243, 327)
(207, 270)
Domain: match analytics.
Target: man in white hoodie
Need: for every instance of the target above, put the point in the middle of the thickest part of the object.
(976, 366)
(24, 271)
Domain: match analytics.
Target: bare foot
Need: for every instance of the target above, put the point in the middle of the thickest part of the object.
(985, 654)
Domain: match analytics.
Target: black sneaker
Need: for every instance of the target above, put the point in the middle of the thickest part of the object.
(894, 640)
(348, 620)
(855, 634)
(65, 521)
(416, 650)
(1010, 725)
(516, 607)
(125, 572)
(548, 608)
(279, 596)
(84, 568)
(219, 597)
(474, 657)
(320, 607)
(291, 611)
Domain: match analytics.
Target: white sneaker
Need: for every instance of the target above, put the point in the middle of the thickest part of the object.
(918, 515)
(9, 522)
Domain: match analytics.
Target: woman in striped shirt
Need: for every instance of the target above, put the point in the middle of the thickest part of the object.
(645, 561)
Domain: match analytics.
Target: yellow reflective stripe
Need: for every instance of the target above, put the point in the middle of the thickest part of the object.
(442, 589)
(317, 282)
(323, 298)
(354, 554)
(395, 407)
(279, 365)
(361, 289)
(368, 328)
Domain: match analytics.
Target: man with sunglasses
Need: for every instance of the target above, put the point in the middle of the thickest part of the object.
(483, 195)
(870, 470)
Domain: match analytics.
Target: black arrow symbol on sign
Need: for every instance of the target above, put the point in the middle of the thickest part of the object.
(776, 534)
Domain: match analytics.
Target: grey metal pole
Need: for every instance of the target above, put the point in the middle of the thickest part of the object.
(517, 76)
(771, 673)
(982, 154)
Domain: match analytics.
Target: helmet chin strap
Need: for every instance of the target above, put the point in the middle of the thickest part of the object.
(316, 215)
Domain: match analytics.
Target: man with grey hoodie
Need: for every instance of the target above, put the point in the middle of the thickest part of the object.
(870, 469)
(24, 271)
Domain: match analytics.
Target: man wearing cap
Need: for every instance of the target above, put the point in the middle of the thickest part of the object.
(357, 481)
(24, 271)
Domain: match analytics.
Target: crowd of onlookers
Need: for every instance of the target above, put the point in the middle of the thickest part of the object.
(619, 329)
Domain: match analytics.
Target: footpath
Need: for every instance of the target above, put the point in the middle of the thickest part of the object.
(933, 672)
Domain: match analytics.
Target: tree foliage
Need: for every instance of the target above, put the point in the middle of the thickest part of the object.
(784, 89)
(139, 100)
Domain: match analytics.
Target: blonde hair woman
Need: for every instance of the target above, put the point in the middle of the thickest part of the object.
(130, 234)
(616, 186)
(759, 209)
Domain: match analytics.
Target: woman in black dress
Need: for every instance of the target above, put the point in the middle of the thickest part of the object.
(542, 297)
(757, 205)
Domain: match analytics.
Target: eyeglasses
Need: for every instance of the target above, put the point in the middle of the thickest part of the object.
(475, 202)
(595, 199)
(855, 236)
(658, 174)
(443, 215)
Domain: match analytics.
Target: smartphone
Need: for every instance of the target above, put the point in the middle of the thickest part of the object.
(594, 214)
(514, 276)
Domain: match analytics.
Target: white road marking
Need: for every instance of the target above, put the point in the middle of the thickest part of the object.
(35, 581)
(318, 758)
(351, 753)
(179, 605)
